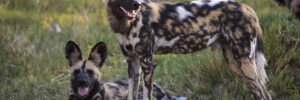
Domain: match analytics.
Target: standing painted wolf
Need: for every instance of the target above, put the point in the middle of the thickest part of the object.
(85, 78)
(145, 28)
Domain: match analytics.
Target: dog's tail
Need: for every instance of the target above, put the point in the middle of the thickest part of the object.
(161, 94)
(261, 61)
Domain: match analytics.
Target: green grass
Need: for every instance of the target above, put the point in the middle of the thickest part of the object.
(32, 63)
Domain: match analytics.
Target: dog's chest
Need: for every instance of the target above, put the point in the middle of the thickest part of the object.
(132, 38)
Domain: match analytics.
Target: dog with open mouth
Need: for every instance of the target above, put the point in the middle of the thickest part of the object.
(87, 85)
(145, 28)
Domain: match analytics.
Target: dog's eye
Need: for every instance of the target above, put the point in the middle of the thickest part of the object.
(90, 72)
(76, 72)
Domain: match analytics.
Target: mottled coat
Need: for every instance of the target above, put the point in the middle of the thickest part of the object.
(147, 28)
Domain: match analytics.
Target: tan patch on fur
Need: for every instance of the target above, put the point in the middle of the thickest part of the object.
(233, 65)
(248, 11)
(248, 68)
(238, 33)
(115, 94)
(156, 8)
(169, 23)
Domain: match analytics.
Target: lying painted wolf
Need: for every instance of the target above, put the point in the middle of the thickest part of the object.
(146, 28)
(86, 83)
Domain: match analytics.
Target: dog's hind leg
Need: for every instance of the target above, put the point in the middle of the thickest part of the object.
(246, 69)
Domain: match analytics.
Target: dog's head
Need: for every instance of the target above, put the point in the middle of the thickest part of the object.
(85, 73)
(124, 8)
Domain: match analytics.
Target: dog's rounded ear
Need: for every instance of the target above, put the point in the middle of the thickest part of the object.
(98, 54)
(72, 53)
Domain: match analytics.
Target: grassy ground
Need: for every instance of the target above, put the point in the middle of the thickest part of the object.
(32, 63)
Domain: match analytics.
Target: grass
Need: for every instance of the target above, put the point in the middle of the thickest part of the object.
(32, 63)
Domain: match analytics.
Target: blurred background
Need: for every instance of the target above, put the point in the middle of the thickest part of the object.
(33, 34)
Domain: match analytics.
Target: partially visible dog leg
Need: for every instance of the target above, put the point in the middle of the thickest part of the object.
(246, 69)
(134, 70)
(148, 65)
(145, 52)
(159, 93)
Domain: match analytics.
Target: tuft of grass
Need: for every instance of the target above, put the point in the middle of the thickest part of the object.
(32, 63)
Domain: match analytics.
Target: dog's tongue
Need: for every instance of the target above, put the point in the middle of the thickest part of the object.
(83, 91)
(131, 13)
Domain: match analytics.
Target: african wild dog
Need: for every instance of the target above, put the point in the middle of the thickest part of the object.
(145, 28)
(86, 83)
(293, 5)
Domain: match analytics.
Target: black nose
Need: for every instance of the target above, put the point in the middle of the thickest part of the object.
(82, 81)
(136, 5)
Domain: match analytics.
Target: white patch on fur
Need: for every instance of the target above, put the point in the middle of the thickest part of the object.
(179, 98)
(198, 3)
(142, 1)
(185, 46)
(155, 84)
(226, 35)
(145, 91)
(215, 2)
(252, 48)
(130, 89)
(211, 3)
(98, 94)
(162, 42)
(183, 13)
(123, 40)
(207, 37)
(71, 93)
(261, 62)
(136, 30)
(165, 98)
(213, 39)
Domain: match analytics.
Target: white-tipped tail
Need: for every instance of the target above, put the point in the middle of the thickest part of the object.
(261, 62)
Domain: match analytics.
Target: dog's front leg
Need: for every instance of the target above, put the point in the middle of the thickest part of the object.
(148, 65)
(134, 70)
(145, 52)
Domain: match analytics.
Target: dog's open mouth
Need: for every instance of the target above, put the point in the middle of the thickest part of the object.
(129, 13)
(83, 91)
